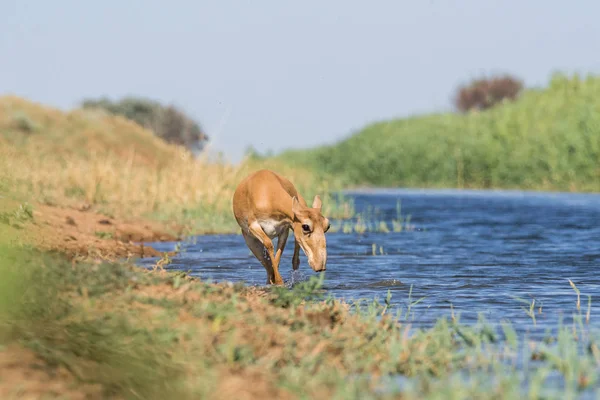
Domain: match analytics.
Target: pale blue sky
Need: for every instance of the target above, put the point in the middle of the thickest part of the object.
(277, 74)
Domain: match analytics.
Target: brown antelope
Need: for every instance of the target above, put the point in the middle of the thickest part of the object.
(267, 205)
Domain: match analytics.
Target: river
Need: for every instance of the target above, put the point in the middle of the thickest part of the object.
(471, 253)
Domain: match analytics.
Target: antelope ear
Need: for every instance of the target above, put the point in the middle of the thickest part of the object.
(295, 205)
(317, 202)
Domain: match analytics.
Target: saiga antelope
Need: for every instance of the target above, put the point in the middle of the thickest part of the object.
(267, 205)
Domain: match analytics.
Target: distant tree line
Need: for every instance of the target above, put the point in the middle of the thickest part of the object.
(167, 122)
(484, 93)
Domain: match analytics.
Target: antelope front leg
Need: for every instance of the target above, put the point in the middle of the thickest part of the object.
(280, 247)
(257, 231)
(296, 256)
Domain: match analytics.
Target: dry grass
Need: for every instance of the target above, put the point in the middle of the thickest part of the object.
(84, 157)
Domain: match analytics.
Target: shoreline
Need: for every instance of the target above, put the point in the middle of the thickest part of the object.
(133, 332)
(376, 190)
(83, 233)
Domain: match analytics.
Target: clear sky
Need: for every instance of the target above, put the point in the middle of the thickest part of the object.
(282, 74)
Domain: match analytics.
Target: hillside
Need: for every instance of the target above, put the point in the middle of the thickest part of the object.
(546, 140)
(89, 159)
(34, 127)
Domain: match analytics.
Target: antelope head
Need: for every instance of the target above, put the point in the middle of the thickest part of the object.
(309, 227)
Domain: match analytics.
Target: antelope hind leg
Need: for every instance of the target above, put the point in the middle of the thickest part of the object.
(268, 251)
(259, 251)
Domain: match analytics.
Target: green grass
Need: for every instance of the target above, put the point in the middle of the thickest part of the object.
(159, 335)
(104, 235)
(15, 218)
(547, 140)
(372, 220)
(45, 305)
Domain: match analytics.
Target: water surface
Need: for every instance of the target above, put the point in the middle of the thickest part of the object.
(474, 250)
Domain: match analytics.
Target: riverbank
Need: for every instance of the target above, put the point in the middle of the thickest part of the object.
(548, 139)
(83, 234)
(112, 330)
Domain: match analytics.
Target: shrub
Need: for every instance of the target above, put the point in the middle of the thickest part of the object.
(482, 94)
(167, 122)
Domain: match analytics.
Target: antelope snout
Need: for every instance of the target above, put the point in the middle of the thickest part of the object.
(321, 264)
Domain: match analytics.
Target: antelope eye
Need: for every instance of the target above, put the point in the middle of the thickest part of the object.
(306, 228)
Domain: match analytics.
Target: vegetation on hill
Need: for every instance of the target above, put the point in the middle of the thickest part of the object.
(167, 122)
(547, 139)
(89, 158)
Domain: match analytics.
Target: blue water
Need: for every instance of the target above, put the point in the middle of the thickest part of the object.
(472, 250)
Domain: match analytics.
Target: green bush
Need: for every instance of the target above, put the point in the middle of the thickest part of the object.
(167, 122)
(547, 139)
